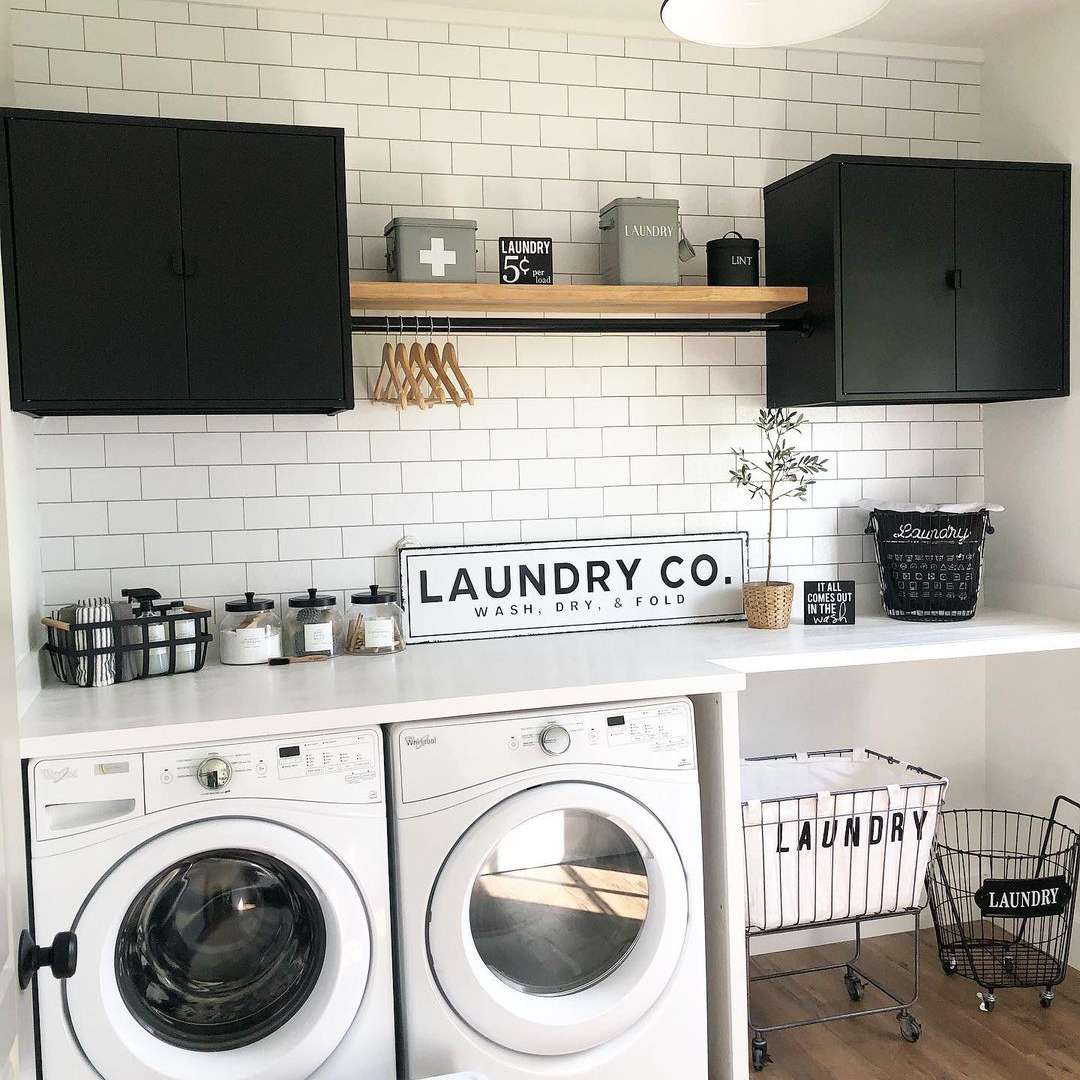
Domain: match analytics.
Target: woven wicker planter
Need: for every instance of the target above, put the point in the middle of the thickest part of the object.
(768, 605)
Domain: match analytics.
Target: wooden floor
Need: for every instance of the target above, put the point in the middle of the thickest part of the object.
(1019, 1041)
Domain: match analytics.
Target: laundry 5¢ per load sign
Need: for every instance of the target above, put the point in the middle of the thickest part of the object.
(455, 593)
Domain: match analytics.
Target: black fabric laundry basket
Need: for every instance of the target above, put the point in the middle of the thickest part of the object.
(929, 563)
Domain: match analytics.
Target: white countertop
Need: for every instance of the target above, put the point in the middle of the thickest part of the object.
(432, 681)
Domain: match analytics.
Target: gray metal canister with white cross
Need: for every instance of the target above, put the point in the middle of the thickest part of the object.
(639, 242)
(431, 249)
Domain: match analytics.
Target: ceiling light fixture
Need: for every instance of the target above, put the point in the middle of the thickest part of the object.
(757, 23)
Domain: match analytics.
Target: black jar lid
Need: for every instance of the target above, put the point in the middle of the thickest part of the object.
(313, 599)
(374, 596)
(250, 603)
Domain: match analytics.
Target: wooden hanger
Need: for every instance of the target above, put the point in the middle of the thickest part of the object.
(418, 362)
(434, 359)
(449, 358)
(385, 372)
(420, 375)
(412, 390)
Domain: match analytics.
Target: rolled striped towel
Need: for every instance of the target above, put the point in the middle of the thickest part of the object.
(100, 669)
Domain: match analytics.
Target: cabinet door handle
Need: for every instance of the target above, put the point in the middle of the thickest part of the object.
(182, 263)
(955, 278)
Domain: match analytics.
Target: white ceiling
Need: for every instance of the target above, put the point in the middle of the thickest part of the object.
(963, 23)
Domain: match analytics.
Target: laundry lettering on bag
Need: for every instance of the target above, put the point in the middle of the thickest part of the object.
(851, 830)
(877, 829)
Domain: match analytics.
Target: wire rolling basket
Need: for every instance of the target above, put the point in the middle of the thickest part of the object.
(849, 845)
(929, 563)
(1002, 887)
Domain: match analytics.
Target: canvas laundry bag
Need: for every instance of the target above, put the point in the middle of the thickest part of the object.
(835, 837)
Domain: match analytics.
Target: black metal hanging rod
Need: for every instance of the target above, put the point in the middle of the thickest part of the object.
(422, 325)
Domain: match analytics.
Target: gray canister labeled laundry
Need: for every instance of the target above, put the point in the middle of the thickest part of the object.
(431, 249)
(639, 242)
(733, 260)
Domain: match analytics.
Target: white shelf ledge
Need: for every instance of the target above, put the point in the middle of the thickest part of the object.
(431, 681)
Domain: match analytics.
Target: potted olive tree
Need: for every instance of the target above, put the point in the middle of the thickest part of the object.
(785, 473)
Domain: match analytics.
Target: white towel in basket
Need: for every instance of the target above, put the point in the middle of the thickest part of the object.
(858, 847)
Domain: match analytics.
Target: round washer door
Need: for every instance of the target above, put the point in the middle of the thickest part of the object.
(231, 943)
(558, 919)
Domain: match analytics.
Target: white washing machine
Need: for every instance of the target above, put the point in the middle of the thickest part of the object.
(548, 898)
(230, 903)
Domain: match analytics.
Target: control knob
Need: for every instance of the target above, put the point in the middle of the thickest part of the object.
(554, 740)
(214, 773)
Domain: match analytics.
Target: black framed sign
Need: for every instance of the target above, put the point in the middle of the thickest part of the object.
(829, 603)
(1024, 898)
(525, 260)
(552, 587)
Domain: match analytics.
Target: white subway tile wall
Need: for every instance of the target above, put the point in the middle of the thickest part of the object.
(527, 132)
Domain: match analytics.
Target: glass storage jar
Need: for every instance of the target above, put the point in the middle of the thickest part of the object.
(250, 632)
(313, 625)
(375, 623)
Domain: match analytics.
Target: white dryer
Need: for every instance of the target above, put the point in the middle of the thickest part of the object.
(230, 903)
(548, 898)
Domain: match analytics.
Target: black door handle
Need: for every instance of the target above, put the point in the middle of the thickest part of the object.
(61, 957)
(955, 279)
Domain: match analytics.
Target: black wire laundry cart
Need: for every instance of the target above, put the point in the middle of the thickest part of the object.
(839, 857)
(1002, 887)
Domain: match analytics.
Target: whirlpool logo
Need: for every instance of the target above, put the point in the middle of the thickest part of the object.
(418, 742)
(55, 774)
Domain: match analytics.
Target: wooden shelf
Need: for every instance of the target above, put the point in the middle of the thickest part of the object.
(438, 299)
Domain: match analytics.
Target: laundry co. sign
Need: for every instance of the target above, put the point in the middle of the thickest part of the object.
(452, 593)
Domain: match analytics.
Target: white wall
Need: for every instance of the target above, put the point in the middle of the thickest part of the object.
(527, 132)
(931, 714)
(1032, 103)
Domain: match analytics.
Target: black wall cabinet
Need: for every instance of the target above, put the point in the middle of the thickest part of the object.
(160, 266)
(929, 281)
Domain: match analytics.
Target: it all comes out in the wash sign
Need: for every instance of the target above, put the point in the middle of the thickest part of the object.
(829, 603)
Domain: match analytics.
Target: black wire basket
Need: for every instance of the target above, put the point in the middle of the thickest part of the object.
(1002, 888)
(929, 563)
(119, 650)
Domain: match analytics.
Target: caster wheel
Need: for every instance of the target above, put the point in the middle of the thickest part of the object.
(910, 1028)
(1046, 998)
(987, 1002)
(949, 965)
(856, 988)
(759, 1053)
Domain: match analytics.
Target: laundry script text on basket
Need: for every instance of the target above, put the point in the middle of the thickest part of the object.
(949, 534)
